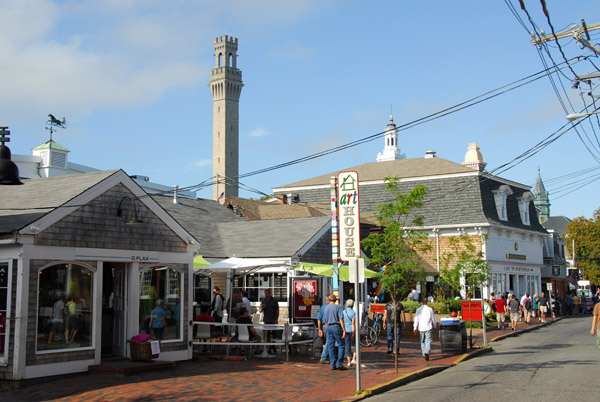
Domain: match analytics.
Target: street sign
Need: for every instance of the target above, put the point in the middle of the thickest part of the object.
(356, 268)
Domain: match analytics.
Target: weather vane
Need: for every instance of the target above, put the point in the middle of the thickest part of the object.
(55, 124)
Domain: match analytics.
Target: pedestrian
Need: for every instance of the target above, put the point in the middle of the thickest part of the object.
(513, 308)
(500, 311)
(527, 307)
(536, 305)
(336, 330)
(270, 309)
(584, 302)
(350, 323)
(216, 307)
(575, 301)
(158, 320)
(595, 323)
(425, 324)
(390, 317)
(544, 306)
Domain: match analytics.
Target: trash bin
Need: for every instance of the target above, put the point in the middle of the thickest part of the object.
(453, 336)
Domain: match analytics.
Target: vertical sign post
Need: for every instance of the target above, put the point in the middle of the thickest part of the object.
(334, 235)
(356, 274)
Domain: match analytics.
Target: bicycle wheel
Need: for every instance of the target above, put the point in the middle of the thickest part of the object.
(369, 337)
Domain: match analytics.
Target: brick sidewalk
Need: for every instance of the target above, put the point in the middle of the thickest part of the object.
(250, 380)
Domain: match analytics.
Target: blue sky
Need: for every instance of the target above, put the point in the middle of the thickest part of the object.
(131, 79)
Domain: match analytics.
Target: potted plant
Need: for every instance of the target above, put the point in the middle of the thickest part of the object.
(140, 347)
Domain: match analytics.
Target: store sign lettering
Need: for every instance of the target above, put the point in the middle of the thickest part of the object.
(139, 258)
(349, 220)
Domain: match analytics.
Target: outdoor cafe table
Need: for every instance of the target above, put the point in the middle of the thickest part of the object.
(261, 328)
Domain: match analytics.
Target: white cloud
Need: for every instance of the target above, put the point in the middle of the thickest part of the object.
(258, 132)
(201, 163)
(83, 56)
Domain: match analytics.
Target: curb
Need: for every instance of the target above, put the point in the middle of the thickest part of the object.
(415, 375)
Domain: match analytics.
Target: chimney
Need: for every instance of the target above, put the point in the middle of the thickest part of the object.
(429, 154)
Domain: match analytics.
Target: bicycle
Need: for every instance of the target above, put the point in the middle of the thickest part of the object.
(378, 324)
(368, 335)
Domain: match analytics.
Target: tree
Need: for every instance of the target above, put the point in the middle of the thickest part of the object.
(585, 233)
(397, 245)
(464, 260)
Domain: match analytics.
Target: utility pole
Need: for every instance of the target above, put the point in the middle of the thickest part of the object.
(576, 32)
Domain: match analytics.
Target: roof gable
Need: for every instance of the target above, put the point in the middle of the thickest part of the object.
(401, 168)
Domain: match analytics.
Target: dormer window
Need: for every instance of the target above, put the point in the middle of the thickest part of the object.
(500, 197)
(524, 201)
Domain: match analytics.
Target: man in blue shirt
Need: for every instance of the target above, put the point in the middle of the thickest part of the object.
(336, 332)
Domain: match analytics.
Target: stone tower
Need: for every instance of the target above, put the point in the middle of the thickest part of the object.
(541, 199)
(390, 149)
(225, 85)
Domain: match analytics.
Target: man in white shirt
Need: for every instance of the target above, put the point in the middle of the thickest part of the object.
(425, 323)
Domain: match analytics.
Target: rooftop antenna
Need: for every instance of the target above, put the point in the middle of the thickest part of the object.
(54, 124)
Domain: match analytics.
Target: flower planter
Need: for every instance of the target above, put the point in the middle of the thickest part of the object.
(141, 351)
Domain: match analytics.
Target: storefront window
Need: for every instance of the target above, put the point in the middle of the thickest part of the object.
(3, 307)
(160, 302)
(255, 285)
(202, 292)
(64, 307)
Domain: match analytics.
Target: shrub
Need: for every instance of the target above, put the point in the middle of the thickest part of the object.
(411, 306)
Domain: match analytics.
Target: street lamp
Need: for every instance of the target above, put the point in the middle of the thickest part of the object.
(577, 116)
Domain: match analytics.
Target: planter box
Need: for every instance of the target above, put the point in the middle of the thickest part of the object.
(141, 351)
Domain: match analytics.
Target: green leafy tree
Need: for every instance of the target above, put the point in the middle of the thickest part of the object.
(398, 244)
(464, 260)
(585, 233)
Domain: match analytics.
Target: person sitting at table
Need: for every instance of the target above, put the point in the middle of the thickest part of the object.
(245, 319)
(205, 316)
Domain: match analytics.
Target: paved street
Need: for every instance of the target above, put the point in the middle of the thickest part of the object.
(559, 362)
(269, 380)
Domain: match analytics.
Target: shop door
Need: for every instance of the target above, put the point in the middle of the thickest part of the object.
(114, 300)
(119, 301)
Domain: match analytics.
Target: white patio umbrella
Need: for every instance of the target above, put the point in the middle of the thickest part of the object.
(238, 266)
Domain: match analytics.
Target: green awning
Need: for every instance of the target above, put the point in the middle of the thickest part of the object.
(200, 262)
(327, 270)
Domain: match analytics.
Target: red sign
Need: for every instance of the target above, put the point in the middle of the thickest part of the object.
(305, 296)
(377, 308)
(471, 310)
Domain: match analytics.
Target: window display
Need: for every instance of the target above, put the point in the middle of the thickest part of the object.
(160, 302)
(64, 307)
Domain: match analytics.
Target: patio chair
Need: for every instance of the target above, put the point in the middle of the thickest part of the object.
(203, 333)
(286, 336)
(244, 336)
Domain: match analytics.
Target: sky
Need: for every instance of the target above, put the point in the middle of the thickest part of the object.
(131, 79)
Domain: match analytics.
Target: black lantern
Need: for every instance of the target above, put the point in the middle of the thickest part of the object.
(9, 172)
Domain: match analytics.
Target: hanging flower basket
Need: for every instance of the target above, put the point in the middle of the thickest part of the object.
(140, 348)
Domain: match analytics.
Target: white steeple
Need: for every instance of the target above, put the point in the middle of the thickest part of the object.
(390, 150)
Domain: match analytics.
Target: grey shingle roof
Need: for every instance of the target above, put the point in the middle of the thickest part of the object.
(401, 168)
(200, 217)
(24, 204)
(268, 238)
(557, 223)
(223, 234)
(260, 210)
